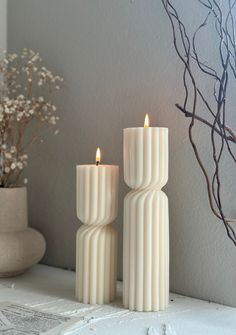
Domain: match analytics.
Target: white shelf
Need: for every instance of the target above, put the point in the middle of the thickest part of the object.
(52, 290)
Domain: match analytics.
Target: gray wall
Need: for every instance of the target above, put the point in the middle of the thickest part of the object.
(3, 24)
(119, 63)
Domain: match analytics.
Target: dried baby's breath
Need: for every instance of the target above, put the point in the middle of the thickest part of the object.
(26, 88)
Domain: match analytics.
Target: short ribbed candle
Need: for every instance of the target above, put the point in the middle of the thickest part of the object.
(96, 244)
(146, 221)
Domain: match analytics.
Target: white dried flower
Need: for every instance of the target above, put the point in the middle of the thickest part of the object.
(35, 58)
(7, 169)
(19, 115)
(13, 166)
(8, 155)
(52, 120)
(20, 165)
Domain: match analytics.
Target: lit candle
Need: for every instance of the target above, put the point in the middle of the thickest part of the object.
(146, 222)
(96, 244)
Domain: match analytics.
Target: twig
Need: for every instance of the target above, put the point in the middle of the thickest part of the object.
(188, 53)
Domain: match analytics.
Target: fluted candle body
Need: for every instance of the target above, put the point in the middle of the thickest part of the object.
(146, 220)
(96, 244)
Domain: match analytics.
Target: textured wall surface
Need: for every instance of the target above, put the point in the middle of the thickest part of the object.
(119, 63)
(3, 24)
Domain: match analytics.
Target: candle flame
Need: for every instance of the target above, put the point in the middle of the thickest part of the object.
(146, 121)
(98, 156)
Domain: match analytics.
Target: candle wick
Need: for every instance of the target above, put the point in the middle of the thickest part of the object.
(97, 163)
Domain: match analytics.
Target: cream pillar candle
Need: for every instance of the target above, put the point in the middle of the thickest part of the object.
(96, 242)
(146, 222)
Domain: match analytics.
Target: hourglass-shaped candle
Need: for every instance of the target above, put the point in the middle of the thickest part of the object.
(146, 222)
(96, 242)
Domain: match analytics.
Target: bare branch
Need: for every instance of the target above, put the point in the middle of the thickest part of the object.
(224, 25)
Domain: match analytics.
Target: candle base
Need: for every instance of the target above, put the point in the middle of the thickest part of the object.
(96, 258)
(146, 250)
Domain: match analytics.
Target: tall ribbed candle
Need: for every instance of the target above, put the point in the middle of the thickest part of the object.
(146, 222)
(96, 243)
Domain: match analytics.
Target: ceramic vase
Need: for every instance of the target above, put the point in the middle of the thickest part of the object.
(20, 246)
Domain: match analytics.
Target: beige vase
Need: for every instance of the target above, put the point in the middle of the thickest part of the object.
(20, 246)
